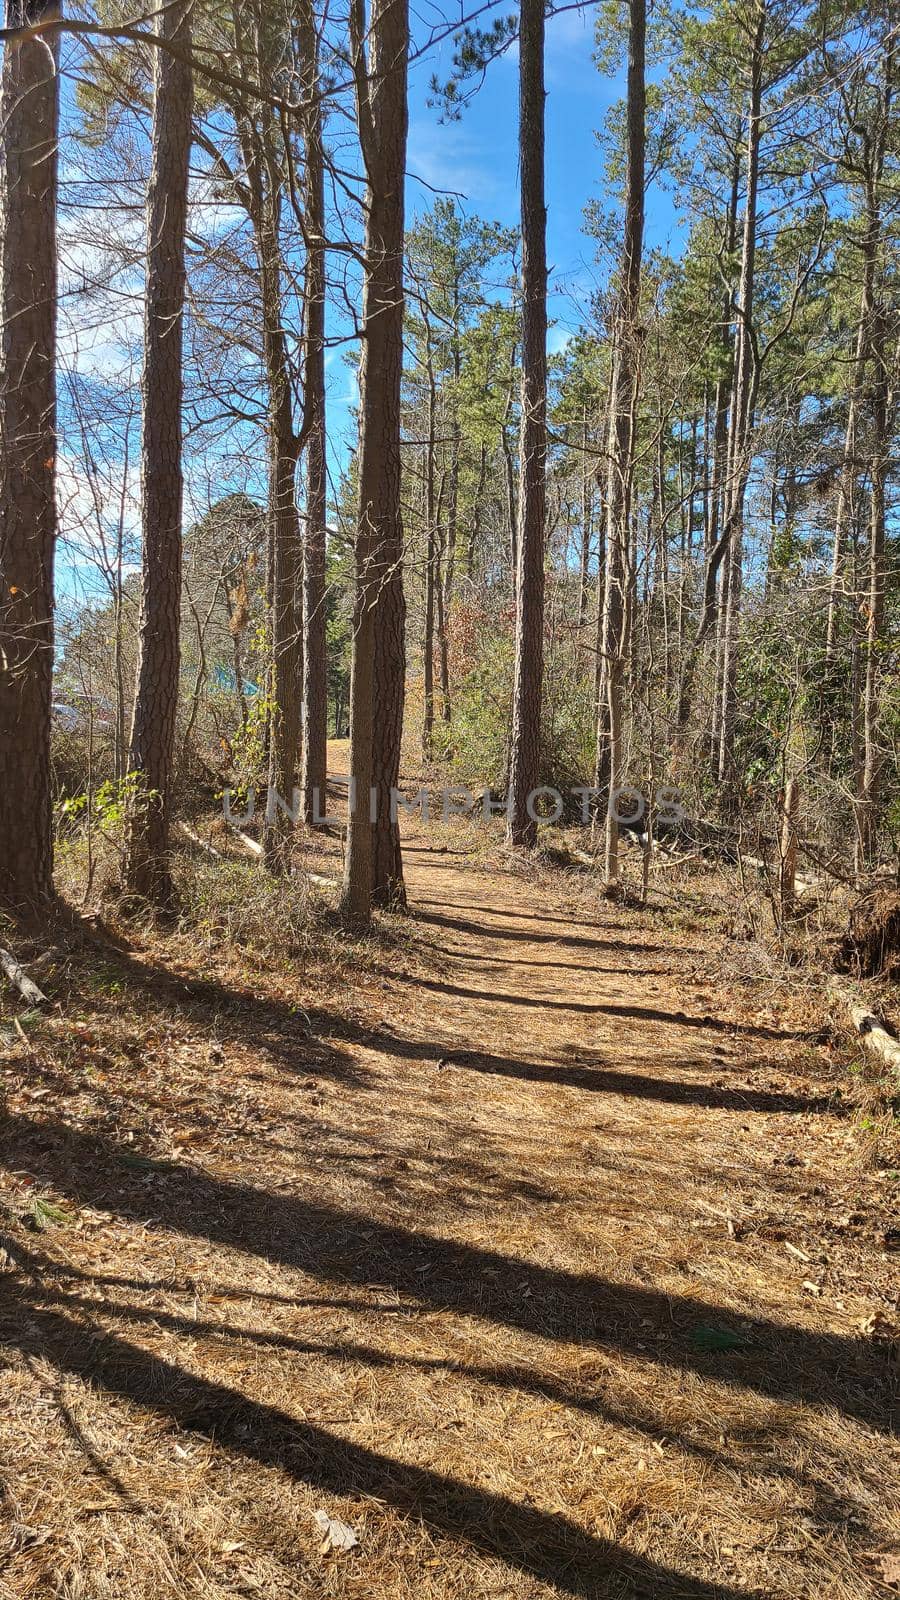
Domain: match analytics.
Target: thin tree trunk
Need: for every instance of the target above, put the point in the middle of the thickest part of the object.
(741, 430)
(475, 528)
(622, 430)
(867, 832)
(452, 519)
(430, 560)
(789, 845)
(315, 665)
(525, 749)
(440, 592)
(714, 544)
(147, 868)
(373, 858)
(287, 637)
(509, 477)
(849, 465)
(587, 509)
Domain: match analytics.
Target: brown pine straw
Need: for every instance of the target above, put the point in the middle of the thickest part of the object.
(528, 1239)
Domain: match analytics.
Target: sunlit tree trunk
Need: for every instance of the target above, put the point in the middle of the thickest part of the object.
(741, 426)
(29, 127)
(147, 867)
(525, 748)
(315, 668)
(626, 360)
(373, 859)
(715, 544)
(430, 561)
(872, 757)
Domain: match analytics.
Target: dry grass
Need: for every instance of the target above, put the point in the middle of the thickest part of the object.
(535, 1245)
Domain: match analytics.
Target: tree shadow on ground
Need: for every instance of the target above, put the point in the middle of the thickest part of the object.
(549, 1547)
(493, 930)
(679, 1019)
(668, 1091)
(48, 1280)
(338, 1245)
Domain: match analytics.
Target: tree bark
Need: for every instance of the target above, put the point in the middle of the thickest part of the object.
(525, 750)
(29, 127)
(587, 528)
(430, 559)
(626, 360)
(741, 426)
(315, 667)
(373, 860)
(872, 759)
(147, 869)
(287, 637)
(714, 543)
(846, 495)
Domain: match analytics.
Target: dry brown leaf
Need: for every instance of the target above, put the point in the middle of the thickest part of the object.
(889, 1562)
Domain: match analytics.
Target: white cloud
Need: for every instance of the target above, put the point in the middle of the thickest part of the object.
(450, 159)
(558, 340)
(100, 284)
(95, 498)
(570, 48)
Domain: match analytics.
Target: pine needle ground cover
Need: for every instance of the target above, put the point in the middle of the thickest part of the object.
(532, 1251)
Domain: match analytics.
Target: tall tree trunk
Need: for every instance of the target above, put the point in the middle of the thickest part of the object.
(846, 494)
(626, 359)
(715, 544)
(452, 514)
(287, 636)
(440, 599)
(29, 128)
(315, 666)
(867, 831)
(587, 515)
(147, 868)
(509, 476)
(475, 526)
(373, 859)
(525, 750)
(741, 425)
(263, 153)
(430, 562)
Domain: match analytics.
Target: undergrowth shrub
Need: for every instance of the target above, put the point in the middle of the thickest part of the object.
(238, 903)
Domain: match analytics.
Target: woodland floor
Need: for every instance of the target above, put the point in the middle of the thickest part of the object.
(541, 1251)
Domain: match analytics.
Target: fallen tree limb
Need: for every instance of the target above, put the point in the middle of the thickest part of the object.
(251, 845)
(584, 859)
(804, 882)
(202, 844)
(870, 1028)
(20, 980)
(256, 849)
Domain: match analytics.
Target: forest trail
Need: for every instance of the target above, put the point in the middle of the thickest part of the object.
(541, 1259)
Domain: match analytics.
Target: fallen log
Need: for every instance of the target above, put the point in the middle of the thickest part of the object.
(871, 1029)
(256, 849)
(20, 980)
(202, 844)
(804, 882)
(251, 845)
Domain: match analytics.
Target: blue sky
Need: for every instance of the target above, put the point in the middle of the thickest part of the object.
(478, 155)
(475, 159)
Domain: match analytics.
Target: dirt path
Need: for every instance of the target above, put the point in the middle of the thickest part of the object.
(531, 1259)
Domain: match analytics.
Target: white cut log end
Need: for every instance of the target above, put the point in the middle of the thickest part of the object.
(870, 1028)
(20, 980)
